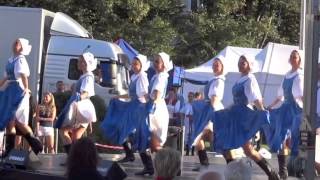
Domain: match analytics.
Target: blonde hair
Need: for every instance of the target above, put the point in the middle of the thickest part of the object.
(50, 105)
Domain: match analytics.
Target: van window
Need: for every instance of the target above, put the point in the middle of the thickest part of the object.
(73, 73)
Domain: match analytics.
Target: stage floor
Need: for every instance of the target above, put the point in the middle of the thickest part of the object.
(50, 165)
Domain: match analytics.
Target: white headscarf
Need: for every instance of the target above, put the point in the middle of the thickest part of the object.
(222, 59)
(90, 61)
(26, 48)
(144, 62)
(251, 61)
(168, 65)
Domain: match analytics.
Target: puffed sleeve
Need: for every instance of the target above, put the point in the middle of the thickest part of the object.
(216, 89)
(87, 85)
(252, 90)
(21, 67)
(142, 85)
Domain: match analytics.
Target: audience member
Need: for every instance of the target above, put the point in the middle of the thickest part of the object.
(209, 175)
(60, 87)
(198, 96)
(83, 160)
(239, 169)
(167, 164)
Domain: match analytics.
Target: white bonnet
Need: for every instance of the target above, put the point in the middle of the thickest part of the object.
(168, 65)
(90, 61)
(251, 61)
(144, 61)
(26, 47)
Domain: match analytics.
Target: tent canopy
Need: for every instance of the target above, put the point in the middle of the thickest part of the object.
(271, 64)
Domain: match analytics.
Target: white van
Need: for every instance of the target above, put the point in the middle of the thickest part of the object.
(57, 41)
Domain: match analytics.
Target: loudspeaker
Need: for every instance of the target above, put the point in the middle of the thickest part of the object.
(22, 159)
(15, 174)
(111, 170)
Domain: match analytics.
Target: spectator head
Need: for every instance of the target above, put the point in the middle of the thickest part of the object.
(239, 169)
(60, 87)
(83, 156)
(197, 95)
(190, 96)
(167, 163)
(209, 175)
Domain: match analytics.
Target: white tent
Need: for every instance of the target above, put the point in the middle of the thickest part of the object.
(271, 63)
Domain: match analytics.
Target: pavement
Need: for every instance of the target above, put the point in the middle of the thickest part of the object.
(50, 165)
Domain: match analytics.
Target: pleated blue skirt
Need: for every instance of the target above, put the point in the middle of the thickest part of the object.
(124, 119)
(10, 98)
(284, 122)
(63, 114)
(202, 114)
(236, 125)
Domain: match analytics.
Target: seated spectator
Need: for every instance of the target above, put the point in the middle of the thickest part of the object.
(239, 169)
(167, 164)
(83, 160)
(209, 175)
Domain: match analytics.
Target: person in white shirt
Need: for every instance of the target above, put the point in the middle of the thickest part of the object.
(79, 111)
(159, 115)
(235, 126)
(285, 120)
(14, 97)
(186, 112)
(123, 118)
(203, 111)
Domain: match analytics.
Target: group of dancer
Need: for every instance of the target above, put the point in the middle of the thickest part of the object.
(141, 124)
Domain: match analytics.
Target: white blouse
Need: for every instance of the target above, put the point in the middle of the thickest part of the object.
(297, 87)
(251, 87)
(87, 84)
(20, 67)
(160, 83)
(141, 85)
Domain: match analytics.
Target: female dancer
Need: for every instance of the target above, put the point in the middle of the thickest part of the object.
(79, 110)
(159, 116)
(235, 126)
(14, 97)
(203, 110)
(123, 118)
(285, 120)
(45, 115)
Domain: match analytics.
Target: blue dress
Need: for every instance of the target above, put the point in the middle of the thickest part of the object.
(10, 97)
(124, 119)
(236, 125)
(285, 121)
(202, 113)
(62, 117)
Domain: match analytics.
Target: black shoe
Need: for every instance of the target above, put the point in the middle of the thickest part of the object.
(283, 170)
(200, 167)
(127, 159)
(192, 151)
(35, 143)
(145, 171)
(265, 166)
(10, 141)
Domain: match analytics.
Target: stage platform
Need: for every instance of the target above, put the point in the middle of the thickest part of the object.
(50, 164)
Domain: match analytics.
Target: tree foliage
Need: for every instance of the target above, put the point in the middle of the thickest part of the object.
(190, 38)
